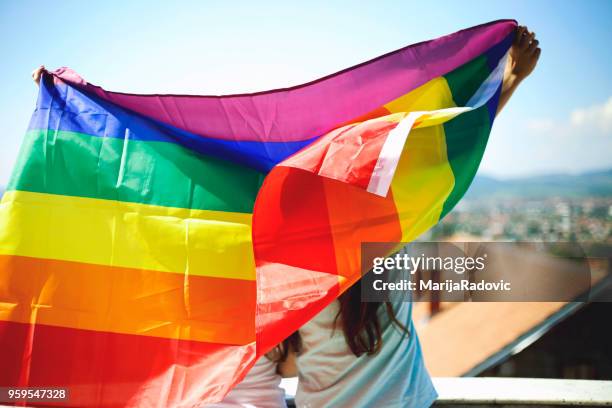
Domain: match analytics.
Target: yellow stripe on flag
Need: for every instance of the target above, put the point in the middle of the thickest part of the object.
(130, 235)
(424, 178)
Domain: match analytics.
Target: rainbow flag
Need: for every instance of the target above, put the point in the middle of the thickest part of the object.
(152, 247)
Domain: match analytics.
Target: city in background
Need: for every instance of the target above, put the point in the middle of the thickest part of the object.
(574, 208)
(570, 340)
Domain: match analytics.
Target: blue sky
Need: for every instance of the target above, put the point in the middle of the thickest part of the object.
(560, 119)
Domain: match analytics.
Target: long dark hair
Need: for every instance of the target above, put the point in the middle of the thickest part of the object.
(359, 322)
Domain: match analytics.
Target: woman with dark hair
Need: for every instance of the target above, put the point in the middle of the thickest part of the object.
(358, 354)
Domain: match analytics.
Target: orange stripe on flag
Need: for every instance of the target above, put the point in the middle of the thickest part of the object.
(130, 301)
(102, 369)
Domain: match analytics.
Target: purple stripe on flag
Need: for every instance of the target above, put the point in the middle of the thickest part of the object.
(312, 109)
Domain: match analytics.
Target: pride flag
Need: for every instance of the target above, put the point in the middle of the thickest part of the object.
(152, 247)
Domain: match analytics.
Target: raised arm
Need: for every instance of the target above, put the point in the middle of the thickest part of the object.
(524, 55)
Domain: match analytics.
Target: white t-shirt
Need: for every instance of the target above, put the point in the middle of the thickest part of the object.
(259, 389)
(330, 375)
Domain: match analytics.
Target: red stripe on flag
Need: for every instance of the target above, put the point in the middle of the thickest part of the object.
(108, 369)
(294, 254)
(292, 227)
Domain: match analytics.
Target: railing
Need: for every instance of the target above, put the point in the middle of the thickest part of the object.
(511, 392)
(477, 391)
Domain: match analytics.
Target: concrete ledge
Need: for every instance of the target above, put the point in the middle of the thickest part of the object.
(482, 391)
(522, 391)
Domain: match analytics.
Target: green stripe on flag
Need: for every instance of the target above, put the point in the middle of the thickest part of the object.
(157, 173)
(468, 133)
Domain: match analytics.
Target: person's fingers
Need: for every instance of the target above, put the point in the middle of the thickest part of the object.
(528, 38)
(537, 53)
(531, 37)
(519, 34)
(524, 40)
(533, 46)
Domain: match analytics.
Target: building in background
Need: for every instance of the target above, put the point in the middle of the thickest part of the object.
(570, 340)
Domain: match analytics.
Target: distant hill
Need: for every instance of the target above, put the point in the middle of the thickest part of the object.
(591, 184)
